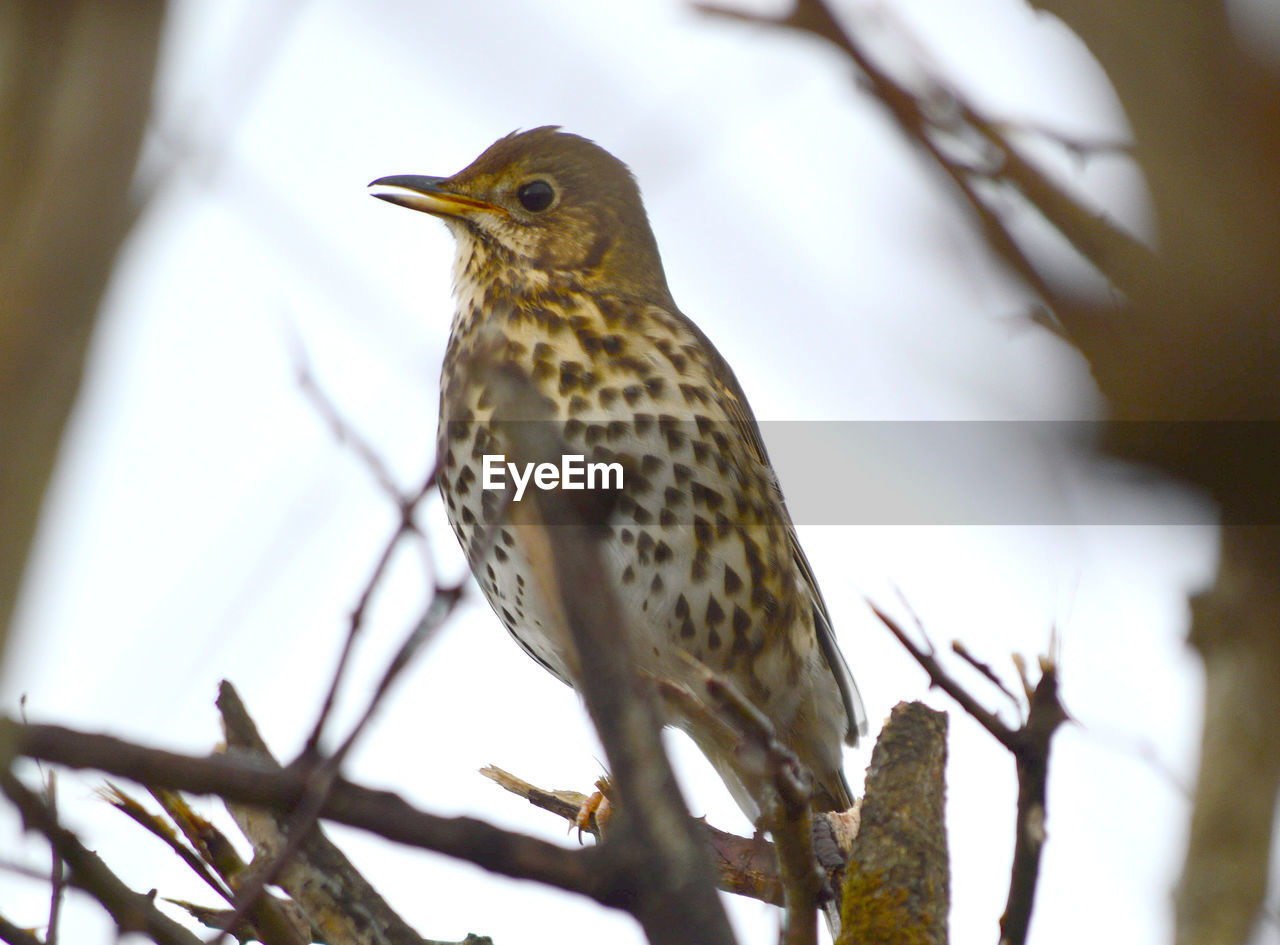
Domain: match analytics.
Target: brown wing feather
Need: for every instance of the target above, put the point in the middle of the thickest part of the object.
(742, 417)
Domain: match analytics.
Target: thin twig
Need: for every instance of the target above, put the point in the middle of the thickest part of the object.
(1114, 253)
(406, 507)
(134, 810)
(1032, 754)
(563, 803)
(22, 869)
(784, 792)
(57, 869)
(355, 623)
(443, 602)
(271, 919)
(214, 848)
(962, 651)
(1078, 145)
(1133, 746)
(131, 911)
(324, 771)
(939, 677)
(343, 431)
(775, 779)
(1020, 665)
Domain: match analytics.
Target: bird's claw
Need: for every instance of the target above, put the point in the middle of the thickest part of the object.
(596, 811)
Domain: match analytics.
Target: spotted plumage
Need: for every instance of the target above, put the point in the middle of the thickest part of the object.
(557, 276)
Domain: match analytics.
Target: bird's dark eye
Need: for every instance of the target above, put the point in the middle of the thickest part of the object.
(536, 195)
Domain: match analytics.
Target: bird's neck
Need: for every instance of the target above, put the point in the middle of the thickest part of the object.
(484, 271)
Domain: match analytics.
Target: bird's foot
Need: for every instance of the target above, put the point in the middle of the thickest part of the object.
(596, 811)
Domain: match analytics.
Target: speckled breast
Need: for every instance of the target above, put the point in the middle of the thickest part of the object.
(700, 556)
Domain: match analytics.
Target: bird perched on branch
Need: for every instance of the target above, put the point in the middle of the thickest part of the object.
(557, 276)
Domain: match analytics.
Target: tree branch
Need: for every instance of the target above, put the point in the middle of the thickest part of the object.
(331, 892)
(1120, 257)
(384, 813)
(66, 159)
(215, 861)
(781, 787)
(745, 866)
(1224, 880)
(897, 886)
(1032, 753)
(1029, 745)
(938, 676)
(668, 886)
(131, 911)
(13, 935)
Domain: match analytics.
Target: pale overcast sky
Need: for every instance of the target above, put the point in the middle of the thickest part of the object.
(205, 524)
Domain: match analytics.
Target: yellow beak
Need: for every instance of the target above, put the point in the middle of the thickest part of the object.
(429, 195)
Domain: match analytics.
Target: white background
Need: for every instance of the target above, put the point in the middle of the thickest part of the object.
(205, 525)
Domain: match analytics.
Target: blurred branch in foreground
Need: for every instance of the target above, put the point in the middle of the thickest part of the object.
(1189, 334)
(258, 782)
(75, 92)
(664, 870)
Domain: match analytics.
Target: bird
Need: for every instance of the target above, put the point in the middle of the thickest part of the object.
(557, 276)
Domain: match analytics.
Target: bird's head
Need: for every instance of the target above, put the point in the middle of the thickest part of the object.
(549, 201)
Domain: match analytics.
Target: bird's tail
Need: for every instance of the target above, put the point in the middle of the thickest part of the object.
(831, 792)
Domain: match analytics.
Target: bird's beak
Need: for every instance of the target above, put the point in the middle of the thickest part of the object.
(428, 194)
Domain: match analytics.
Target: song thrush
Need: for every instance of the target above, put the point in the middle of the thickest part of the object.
(557, 275)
